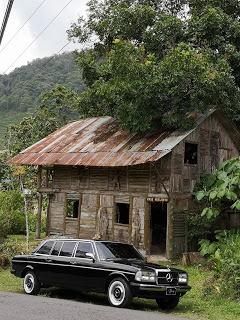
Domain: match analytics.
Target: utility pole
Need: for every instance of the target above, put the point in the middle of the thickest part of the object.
(5, 19)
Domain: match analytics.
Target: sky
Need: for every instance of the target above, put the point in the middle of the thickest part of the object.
(49, 42)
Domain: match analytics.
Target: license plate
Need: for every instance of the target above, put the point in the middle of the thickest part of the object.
(170, 291)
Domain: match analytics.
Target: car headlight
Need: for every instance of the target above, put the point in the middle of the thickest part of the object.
(145, 276)
(183, 278)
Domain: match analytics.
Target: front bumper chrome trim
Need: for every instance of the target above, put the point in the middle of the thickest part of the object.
(147, 287)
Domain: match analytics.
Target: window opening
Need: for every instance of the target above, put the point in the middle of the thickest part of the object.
(67, 249)
(82, 249)
(72, 208)
(122, 213)
(191, 151)
(49, 178)
(46, 248)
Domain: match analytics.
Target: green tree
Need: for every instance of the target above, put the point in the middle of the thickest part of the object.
(58, 107)
(149, 64)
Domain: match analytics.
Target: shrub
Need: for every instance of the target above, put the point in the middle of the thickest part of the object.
(8, 249)
(12, 217)
(32, 222)
(225, 256)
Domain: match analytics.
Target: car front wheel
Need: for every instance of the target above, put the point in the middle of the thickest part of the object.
(30, 283)
(167, 303)
(119, 293)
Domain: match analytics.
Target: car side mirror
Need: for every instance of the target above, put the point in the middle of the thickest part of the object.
(90, 256)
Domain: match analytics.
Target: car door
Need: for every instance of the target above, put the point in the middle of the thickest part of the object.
(84, 269)
(61, 262)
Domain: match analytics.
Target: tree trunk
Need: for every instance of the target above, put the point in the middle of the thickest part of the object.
(26, 215)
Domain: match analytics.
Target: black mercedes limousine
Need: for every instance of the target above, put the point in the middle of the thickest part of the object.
(115, 268)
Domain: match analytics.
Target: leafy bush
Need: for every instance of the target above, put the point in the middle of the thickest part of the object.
(225, 256)
(220, 187)
(32, 222)
(8, 249)
(198, 226)
(12, 217)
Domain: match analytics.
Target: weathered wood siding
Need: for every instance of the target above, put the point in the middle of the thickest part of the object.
(111, 185)
(101, 188)
(56, 208)
(214, 147)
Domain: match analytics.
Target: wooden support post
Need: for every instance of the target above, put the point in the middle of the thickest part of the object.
(79, 215)
(97, 209)
(38, 228)
(147, 227)
(48, 218)
(169, 240)
(130, 219)
(113, 218)
(65, 213)
(39, 177)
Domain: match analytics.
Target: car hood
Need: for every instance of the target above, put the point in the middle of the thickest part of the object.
(140, 264)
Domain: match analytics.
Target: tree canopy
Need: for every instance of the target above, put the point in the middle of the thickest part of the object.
(57, 108)
(20, 90)
(152, 61)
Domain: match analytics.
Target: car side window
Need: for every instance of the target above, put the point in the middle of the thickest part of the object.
(82, 249)
(46, 248)
(56, 248)
(67, 249)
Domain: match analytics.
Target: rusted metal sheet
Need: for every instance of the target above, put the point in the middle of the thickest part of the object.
(94, 142)
(101, 159)
(99, 141)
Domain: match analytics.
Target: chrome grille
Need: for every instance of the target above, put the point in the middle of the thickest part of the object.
(167, 278)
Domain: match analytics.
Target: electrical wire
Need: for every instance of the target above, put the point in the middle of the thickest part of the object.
(22, 26)
(5, 19)
(40, 68)
(37, 37)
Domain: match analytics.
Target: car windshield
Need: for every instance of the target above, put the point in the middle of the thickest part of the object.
(114, 250)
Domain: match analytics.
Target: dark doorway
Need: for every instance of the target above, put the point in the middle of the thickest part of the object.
(158, 227)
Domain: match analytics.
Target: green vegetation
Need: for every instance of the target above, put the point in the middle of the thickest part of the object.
(151, 64)
(58, 106)
(221, 189)
(12, 216)
(225, 256)
(20, 90)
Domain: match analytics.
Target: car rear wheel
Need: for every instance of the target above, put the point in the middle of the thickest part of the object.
(167, 303)
(30, 283)
(119, 293)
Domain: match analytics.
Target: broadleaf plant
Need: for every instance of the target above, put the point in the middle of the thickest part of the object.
(223, 186)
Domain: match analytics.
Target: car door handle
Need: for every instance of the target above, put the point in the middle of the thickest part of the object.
(73, 262)
(49, 260)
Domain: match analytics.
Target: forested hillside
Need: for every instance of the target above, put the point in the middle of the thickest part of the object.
(20, 90)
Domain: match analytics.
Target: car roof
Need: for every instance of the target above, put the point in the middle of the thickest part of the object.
(78, 239)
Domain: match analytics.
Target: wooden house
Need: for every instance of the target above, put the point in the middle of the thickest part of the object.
(103, 182)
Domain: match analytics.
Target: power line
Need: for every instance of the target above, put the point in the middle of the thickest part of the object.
(40, 68)
(22, 26)
(37, 36)
(5, 19)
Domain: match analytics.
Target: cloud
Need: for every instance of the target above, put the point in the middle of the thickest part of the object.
(50, 41)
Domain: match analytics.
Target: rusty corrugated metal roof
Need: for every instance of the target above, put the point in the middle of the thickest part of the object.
(99, 141)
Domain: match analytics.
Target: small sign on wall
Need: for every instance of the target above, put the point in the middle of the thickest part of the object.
(156, 199)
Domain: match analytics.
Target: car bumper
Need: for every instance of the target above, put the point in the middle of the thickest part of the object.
(156, 291)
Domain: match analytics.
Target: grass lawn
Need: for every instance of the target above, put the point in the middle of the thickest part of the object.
(202, 302)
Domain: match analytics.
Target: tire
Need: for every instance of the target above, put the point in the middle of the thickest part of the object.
(167, 303)
(30, 283)
(119, 293)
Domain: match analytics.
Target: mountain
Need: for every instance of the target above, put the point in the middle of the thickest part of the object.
(20, 90)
